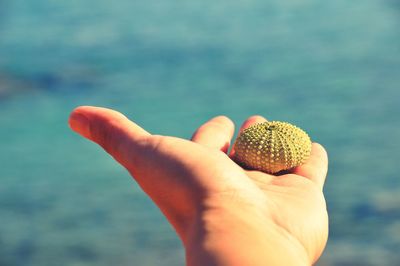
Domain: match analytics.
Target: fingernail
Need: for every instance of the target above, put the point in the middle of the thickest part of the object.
(79, 123)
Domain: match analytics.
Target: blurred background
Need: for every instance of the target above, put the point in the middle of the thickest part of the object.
(330, 67)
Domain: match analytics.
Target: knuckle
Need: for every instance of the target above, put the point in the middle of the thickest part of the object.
(157, 143)
(105, 133)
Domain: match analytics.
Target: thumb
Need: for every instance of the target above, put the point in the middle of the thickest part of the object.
(160, 165)
(110, 129)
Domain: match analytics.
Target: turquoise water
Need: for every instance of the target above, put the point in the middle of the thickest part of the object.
(332, 68)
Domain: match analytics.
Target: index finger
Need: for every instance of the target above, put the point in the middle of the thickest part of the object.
(255, 119)
(316, 167)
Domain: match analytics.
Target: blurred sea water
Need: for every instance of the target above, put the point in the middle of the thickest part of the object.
(331, 67)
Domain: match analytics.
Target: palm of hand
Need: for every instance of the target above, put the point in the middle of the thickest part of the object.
(186, 178)
(293, 202)
(298, 207)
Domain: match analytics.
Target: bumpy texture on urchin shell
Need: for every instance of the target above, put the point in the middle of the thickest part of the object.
(272, 147)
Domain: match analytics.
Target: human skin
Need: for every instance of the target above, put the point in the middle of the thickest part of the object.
(224, 214)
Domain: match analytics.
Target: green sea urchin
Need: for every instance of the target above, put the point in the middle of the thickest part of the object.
(272, 147)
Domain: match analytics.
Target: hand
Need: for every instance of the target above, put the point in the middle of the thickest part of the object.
(224, 215)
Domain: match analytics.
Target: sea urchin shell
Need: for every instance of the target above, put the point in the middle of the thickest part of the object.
(272, 147)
